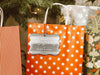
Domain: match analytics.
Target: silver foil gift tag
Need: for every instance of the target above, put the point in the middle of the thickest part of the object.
(44, 45)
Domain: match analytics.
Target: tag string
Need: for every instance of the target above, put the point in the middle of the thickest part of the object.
(1, 13)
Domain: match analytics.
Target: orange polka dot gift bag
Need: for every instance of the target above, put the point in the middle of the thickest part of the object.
(54, 49)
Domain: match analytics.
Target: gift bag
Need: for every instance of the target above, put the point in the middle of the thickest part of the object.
(10, 54)
(92, 46)
(54, 49)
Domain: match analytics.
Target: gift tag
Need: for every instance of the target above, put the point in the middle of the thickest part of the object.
(44, 45)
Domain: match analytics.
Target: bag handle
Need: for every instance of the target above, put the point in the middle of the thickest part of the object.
(1, 13)
(46, 14)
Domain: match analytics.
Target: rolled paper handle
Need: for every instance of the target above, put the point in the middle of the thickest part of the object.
(1, 13)
(46, 14)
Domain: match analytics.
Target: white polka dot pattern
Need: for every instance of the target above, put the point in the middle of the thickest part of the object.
(68, 61)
